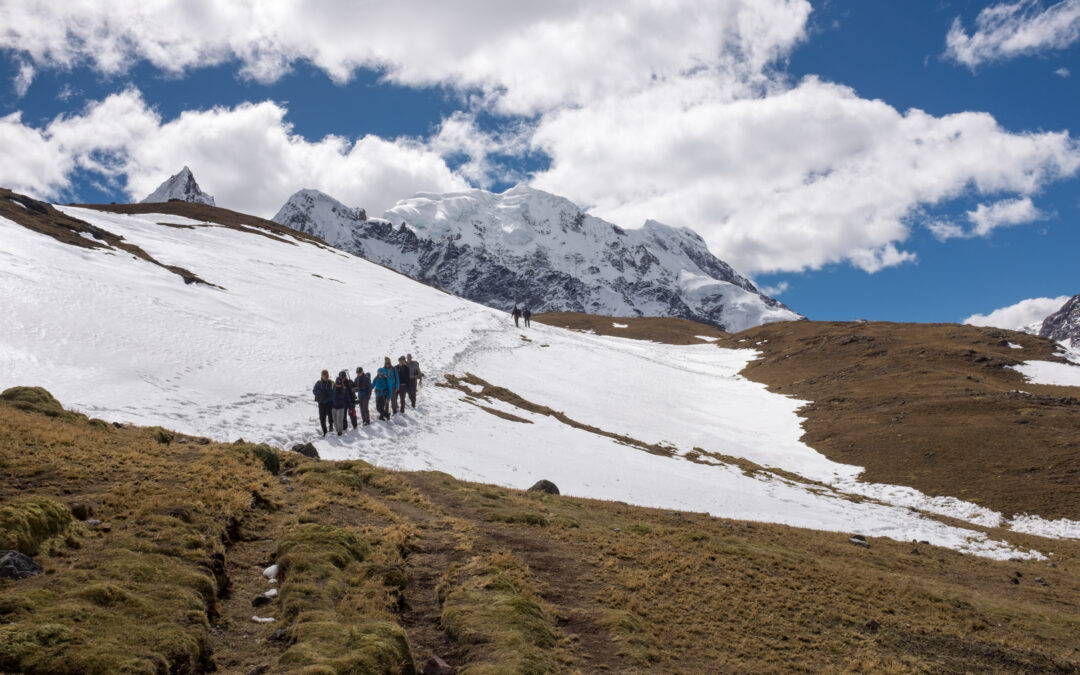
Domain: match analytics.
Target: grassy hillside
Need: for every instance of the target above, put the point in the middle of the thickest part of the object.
(380, 570)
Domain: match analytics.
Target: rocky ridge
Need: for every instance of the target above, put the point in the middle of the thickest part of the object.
(539, 250)
(1064, 324)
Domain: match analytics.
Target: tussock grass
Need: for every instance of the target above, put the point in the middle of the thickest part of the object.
(492, 604)
(36, 525)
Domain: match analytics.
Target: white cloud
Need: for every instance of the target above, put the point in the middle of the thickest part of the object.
(23, 78)
(523, 56)
(1062, 72)
(790, 180)
(248, 156)
(774, 291)
(1004, 213)
(1009, 29)
(1021, 315)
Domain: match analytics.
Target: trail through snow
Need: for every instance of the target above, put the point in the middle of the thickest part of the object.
(124, 340)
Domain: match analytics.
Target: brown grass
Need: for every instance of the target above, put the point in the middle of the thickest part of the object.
(382, 569)
(657, 329)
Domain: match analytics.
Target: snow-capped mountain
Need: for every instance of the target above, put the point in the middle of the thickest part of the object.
(182, 186)
(237, 356)
(1064, 324)
(541, 251)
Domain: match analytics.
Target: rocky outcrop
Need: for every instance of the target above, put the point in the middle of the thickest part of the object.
(1064, 324)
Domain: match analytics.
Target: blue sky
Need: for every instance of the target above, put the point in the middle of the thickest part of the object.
(788, 140)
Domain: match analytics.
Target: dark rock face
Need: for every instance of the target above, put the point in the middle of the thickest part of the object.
(15, 566)
(1064, 324)
(533, 249)
(545, 486)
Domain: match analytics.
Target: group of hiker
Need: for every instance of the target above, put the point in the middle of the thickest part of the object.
(519, 313)
(391, 386)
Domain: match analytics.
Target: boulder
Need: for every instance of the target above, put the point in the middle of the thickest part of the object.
(859, 540)
(545, 486)
(306, 449)
(15, 566)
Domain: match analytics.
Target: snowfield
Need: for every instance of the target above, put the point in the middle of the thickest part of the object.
(1054, 373)
(124, 340)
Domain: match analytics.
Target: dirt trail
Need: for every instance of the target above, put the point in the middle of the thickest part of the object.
(240, 643)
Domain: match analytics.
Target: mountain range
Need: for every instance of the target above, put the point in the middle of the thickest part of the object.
(534, 249)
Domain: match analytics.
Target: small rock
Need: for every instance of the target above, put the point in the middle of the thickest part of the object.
(1017, 574)
(15, 565)
(277, 636)
(436, 666)
(872, 626)
(1051, 564)
(1014, 580)
(92, 523)
(271, 572)
(288, 488)
(260, 600)
(545, 486)
(915, 551)
(1040, 580)
(259, 669)
(285, 480)
(859, 540)
(859, 537)
(306, 449)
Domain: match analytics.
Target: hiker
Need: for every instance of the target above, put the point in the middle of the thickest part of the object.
(404, 380)
(415, 376)
(342, 400)
(362, 385)
(389, 374)
(516, 313)
(324, 396)
(381, 385)
(526, 314)
(344, 375)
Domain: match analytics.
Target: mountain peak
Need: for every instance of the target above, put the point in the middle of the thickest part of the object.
(181, 186)
(1064, 324)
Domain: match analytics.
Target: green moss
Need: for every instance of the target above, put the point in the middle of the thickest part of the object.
(362, 647)
(518, 516)
(36, 400)
(161, 435)
(270, 457)
(34, 525)
(492, 604)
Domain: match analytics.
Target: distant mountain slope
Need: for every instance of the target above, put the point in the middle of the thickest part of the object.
(182, 186)
(536, 249)
(1064, 324)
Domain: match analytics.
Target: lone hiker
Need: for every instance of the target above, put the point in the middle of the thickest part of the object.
(526, 314)
(342, 401)
(404, 380)
(362, 384)
(415, 377)
(516, 313)
(324, 396)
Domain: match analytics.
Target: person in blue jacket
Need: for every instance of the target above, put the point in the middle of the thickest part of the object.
(362, 387)
(382, 392)
(392, 380)
(342, 402)
(324, 396)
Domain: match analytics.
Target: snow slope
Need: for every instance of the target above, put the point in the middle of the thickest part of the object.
(125, 340)
(181, 186)
(536, 249)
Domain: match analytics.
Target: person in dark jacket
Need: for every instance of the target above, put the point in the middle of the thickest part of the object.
(527, 315)
(383, 389)
(352, 395)
(342, 401)
(403, 381)
(516, 313)
(324, 396)
(362, 385)
(392, 382)
(415, 377)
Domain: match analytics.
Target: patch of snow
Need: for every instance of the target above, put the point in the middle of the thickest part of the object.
(620, 325)
(261, 619)
(1062, 528)
(17, 203)
(708, 338)
(1015, 346)
(1050, 372)
(271, 572)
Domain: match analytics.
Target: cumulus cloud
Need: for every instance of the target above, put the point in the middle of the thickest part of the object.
(1009, 29)
(1062, 72)
(791, 180)
(1021, 315)
(522, 56)
(985, 218)
(23, 78)
(247, 156)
